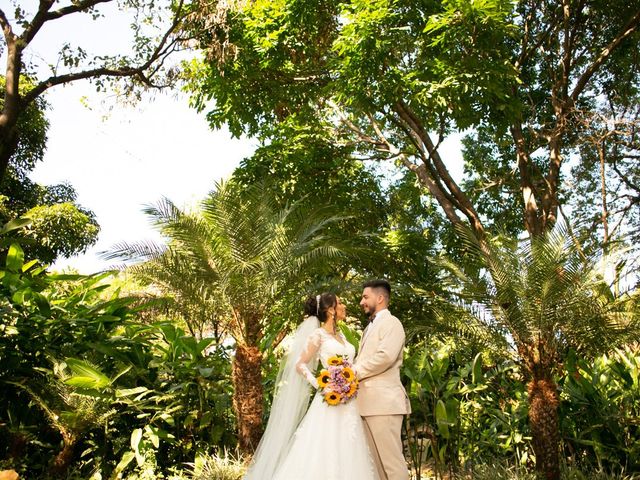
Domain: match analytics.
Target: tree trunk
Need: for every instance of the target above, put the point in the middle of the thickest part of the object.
(603, 193)
(434, 175)
(543, 420)
(531, 216)
(12, 104)
(550, 199)
(62, 461)
(8, 146)
(248, 396)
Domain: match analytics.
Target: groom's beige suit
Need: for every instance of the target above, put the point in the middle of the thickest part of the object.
(382, 400)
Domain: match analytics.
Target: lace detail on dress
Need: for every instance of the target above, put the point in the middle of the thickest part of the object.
(315, 339)
(309, 357)
(332, 346)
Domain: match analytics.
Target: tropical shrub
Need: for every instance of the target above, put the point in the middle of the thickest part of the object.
(42, 324)
(600, 410)
(537, 299)
(88, 389)
(463, 413)
(468, 415)
(223, 466)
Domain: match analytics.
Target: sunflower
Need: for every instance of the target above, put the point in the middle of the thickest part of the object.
(332, 398)
(353, 388)
(323, 378)
(348, 374)
(335, 361)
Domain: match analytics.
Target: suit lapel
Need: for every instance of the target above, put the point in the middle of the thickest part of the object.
(366, 335)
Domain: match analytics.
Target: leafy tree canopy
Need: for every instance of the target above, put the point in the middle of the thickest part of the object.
(395, 78)
(390, 226)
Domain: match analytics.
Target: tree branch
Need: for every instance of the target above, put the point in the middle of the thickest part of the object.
(441, 193)
(36, 23)
(543, 37)
(6, 27)
(358, 131)
(527, 187)
(566, 47)
(434, 189)
(625, 178)
(628, 29)
(466, 207)
(161, 50)
(72, 77)
(11, 105)
(78, 7)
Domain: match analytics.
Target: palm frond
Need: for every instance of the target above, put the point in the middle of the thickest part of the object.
(138, 251)
(235, 256)
(541, 290)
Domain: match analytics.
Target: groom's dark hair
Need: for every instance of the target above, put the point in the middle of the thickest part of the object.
(379, 284)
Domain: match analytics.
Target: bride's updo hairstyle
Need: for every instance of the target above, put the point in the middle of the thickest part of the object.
(318, 305)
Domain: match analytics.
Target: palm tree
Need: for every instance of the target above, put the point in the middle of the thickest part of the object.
(236, 258)
(539, 297)
(66, 412)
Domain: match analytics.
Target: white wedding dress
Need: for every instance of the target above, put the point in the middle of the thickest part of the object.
(330, 443)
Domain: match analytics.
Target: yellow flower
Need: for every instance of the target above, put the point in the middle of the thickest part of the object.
(323, 378)
(335, 360)
(332, 398)
(348, 374)
(353, 388)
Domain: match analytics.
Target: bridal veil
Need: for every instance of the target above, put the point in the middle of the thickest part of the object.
(290, 402)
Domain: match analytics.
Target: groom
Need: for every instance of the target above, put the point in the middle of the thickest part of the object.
(382, 400)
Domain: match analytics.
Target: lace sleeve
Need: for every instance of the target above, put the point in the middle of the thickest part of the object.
(309, 353)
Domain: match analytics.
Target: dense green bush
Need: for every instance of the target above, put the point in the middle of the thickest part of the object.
(463, 413)
(600, 410)
(466, 415)
(91, 392)
(87, 389)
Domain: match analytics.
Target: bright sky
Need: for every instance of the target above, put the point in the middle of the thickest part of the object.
(121, 159)
(132, 158)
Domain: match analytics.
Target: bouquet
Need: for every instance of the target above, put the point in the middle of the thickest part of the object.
(338, 382)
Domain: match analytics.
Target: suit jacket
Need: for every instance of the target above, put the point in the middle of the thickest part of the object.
(378, 368)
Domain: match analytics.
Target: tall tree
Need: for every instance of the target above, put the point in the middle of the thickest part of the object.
(606, 184)
(397, 77)
(549, 298)
(247, 256)
(144, 66)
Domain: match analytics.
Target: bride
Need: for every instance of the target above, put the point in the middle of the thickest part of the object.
(327, 442)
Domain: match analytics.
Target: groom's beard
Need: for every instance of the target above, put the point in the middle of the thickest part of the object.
(369, 312)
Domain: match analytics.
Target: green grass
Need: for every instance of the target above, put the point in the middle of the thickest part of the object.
(227, 466)
(500, 471)
(223, 466)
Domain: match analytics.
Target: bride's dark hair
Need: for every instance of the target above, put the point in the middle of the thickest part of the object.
(318, 307)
